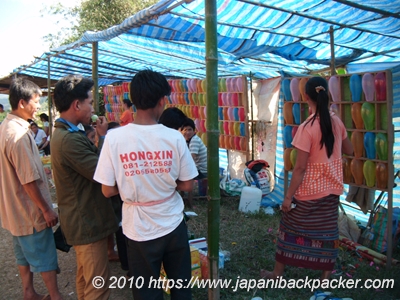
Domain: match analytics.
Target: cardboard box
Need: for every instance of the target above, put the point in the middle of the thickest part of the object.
(195, 258)
(199, 243)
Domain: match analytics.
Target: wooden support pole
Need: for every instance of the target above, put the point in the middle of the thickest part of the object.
(49, 101)
(332, 38)
(95, 75)
(212, 145)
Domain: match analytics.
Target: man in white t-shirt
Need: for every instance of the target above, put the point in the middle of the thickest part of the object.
(146, 163)
(38, 134)
(40, 138)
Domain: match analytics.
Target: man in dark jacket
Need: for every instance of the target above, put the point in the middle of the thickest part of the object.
(86, 216)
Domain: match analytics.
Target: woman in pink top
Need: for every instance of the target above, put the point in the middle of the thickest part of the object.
(126, 116)
(308, 234)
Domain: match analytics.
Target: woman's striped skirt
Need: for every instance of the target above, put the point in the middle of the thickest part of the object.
(309, 235)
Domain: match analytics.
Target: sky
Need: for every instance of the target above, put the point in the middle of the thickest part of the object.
(22, 30)
(21, 33)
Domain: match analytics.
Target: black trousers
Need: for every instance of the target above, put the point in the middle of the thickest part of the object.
(121, 247)
(47, 149)
(145, 260)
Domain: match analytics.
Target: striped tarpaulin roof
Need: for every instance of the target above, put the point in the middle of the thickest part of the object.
(265, 38)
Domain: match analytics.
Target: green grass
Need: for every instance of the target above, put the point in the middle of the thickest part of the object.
(250, 238)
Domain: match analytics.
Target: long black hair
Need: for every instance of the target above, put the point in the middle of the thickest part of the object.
(317, 91)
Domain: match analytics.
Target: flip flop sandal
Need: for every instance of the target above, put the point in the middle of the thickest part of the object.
(336, 298)
(320, 295)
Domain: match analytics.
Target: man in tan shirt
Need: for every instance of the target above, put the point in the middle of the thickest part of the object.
(25, 202)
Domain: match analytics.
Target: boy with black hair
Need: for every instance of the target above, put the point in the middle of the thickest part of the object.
(172, 117)
(147, 172)
(196, 147)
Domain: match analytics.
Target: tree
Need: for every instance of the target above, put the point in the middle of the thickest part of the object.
(91, 15)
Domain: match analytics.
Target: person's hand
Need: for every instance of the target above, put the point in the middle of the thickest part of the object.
(51, 217)
(287, 204)
(101, 126)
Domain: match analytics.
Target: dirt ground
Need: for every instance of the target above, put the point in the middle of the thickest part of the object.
(10, 283)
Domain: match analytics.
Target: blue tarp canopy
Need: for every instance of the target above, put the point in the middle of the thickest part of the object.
(265, 38)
